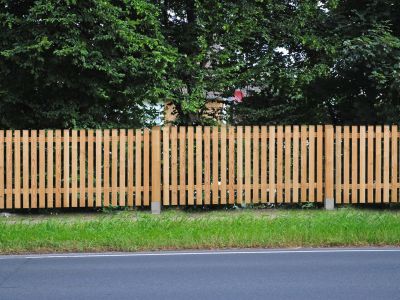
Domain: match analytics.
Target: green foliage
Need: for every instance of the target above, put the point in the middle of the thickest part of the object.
(80, 63)
(97, 63)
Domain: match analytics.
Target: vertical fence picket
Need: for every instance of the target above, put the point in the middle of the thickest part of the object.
(304, 155)
(99, 161)
(190, 164)
(17, 169)
(25, 168)
(146, 167)
(394, 164)
(174, 165)
(199, 165)
(138, 166)
(231, 167)
(386, 163)
(34, 170)
(42, 170)
(247, 164)
(207, 165)
(362, 167)
(106, 168)
(122, 165)
(50, 168)
(66, 167)
(264, 164)
(82, 168)
(223, 165)
(239, 165)
(114, 167)
(295, 182)
(346, 167)
(279, 169)
(58, 166)
(288, 163)
(215, 163)
(311, 163)
(272, 165)
(182, 166)
(74, 168)
(320, 162)
(370, 164)
(2, 190)
(338, 165)
(9, 169)
(166, 165)
(255, 160)
(378, 164)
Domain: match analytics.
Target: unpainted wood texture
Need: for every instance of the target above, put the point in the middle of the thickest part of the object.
(2, 190)
(362, 167)
(296, 155)
(182, 165)
(272, 165)
(25, 169)
(114, 167)
(74, 168)
(33, 163)
(66, 168)
(166, 164)
(50, 169)
(279, 169)
(99, 171)
(354, 164)
(174, 166)
(247, 164)
(370, 165)
(346, 166)
(223, 168)
(17, 169)
(199, 165)
(146, 167)
(320, 161)
(386, 163)
(138, 170)
(394, 164)
(106, 168)
(42, 169)
(378, 164)
(156, 165)
(82, 168)
(338, 164)
(190, 164)
(329, 162)
(239, 164)
(215, 163)
(231, 167)
(207, 165)
(288, 163)
(311, 163)
(122, 166)
(304, 156)
(90, 175)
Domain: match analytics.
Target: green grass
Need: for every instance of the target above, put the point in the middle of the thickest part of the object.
(134, 231)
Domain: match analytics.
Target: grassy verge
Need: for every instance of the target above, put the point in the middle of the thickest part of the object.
(133, 231)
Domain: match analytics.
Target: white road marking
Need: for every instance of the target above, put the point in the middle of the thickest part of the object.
(143, 254)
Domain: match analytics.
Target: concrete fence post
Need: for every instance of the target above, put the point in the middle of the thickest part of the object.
(329, 202)
(155, 170)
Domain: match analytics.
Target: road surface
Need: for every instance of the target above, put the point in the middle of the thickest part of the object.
(252, 274)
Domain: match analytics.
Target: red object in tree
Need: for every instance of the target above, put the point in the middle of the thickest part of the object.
(238, 96)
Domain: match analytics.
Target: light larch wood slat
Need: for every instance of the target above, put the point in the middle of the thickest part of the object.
(354, 164)
(17, 169)
(362, 169)
(34, 170)
(74, 168)
(99, 161)
(223, 165)
(311, 163)
(25, 169)
(2, 190)
(346, 167)
(182, 165)
(338, 164)
(370, 179)
(82, 168)
(329, 161)
(272, 165)
(239, 165)
(256, 167)
(279, 169)
(42, 169)
(288, 163)
(50, 168)
(199, 165)
(58, 166)
(207, 165)
(264, 164)
(146, 167)
(190, 164)
(295, 184)
(138, 166)
(304, 155)
(90, 175)
(114, 167)
(9, 169)
(122, 167)
(247, 164)
(394, 164)
(106, 168)
(231, 165)
(386, 163)
(215, 163)
(156, 165)
(166, 165)
(378, 164)
(66, 168)
(130, 167)
(174, 165)
(320, 166)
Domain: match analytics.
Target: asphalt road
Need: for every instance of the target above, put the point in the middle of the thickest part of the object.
(306, 274)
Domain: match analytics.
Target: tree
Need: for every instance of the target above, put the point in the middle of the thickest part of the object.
(80, 64)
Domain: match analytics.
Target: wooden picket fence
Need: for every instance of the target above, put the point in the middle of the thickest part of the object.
(198, 166)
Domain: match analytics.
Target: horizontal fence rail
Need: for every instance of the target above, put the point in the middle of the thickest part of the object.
(198, 166)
